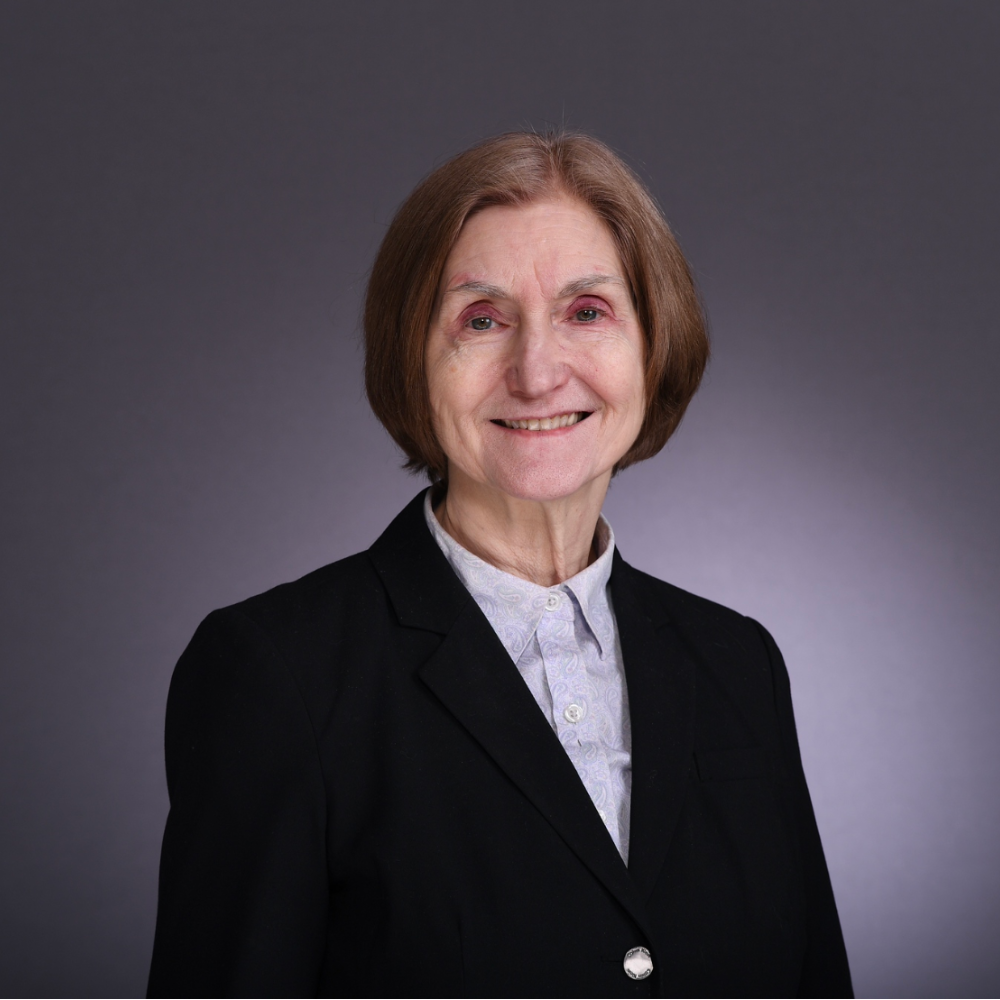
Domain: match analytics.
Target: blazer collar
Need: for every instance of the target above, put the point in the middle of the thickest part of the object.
(660, 671)
(422, 587)
(476, 680)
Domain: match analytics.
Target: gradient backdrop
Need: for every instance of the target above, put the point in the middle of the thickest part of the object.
(190, 196)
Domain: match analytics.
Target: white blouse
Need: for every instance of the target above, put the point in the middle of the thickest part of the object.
(564, 642)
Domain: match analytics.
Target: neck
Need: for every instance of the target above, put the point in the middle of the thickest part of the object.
(544, 541)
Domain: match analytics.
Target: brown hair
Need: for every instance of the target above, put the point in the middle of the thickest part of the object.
(516, 169)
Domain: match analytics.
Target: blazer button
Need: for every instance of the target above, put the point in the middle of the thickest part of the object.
(638, 963)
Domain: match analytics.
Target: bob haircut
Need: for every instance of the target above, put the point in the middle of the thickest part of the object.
(519, 168)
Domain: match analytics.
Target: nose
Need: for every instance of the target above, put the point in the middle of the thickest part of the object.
(537, 365)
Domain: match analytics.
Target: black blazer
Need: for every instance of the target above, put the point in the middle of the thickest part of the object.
(366, 801)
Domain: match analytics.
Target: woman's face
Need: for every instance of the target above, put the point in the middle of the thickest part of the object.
(535, 354)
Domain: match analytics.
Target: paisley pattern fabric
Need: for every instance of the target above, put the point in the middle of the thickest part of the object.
(564, 642)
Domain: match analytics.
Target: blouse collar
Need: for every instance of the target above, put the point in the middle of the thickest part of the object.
(514, 606)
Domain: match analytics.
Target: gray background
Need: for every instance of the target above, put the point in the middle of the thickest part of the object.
(190, 197)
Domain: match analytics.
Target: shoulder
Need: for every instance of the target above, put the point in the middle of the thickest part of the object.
(705, 621)
(348, 595)
(677, 599)
(319, 597)
(726, 650)
(325, 628)
(306, 629)
(265, 672)
(298, 606)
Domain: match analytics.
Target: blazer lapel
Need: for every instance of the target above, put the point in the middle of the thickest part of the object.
(660, 674)
(475, 679)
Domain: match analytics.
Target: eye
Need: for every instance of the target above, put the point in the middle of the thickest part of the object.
(588, 314)
(481, 323)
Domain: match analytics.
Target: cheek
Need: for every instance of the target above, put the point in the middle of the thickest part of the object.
(620, 377)
(633, 371)
(443, 374)
(459, 381)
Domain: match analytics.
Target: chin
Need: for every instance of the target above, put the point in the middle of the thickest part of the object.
(542, 483)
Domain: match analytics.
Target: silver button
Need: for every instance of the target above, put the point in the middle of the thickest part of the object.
(552, 602)
(638, 963)
(573, 713)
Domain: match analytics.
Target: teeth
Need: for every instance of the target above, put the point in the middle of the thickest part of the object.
(545, 423)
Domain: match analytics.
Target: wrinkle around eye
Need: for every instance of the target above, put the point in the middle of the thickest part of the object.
(479, 311)
(592, 303)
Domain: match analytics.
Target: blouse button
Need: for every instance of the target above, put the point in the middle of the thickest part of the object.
(573, 713)
(552, 602)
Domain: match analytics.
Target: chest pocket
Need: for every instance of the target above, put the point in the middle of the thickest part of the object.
(731, 765)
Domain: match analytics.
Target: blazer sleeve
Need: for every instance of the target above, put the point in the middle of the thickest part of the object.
(243, 885)
(825, 972)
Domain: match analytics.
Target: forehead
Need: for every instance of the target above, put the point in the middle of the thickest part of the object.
(553, 239)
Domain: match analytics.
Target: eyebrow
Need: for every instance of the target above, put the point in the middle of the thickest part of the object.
(590, 281)
(492, 291)
(573, 288)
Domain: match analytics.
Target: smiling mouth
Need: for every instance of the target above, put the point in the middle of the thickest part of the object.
(544, 423)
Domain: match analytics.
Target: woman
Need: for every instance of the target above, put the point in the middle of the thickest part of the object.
(487, 756)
